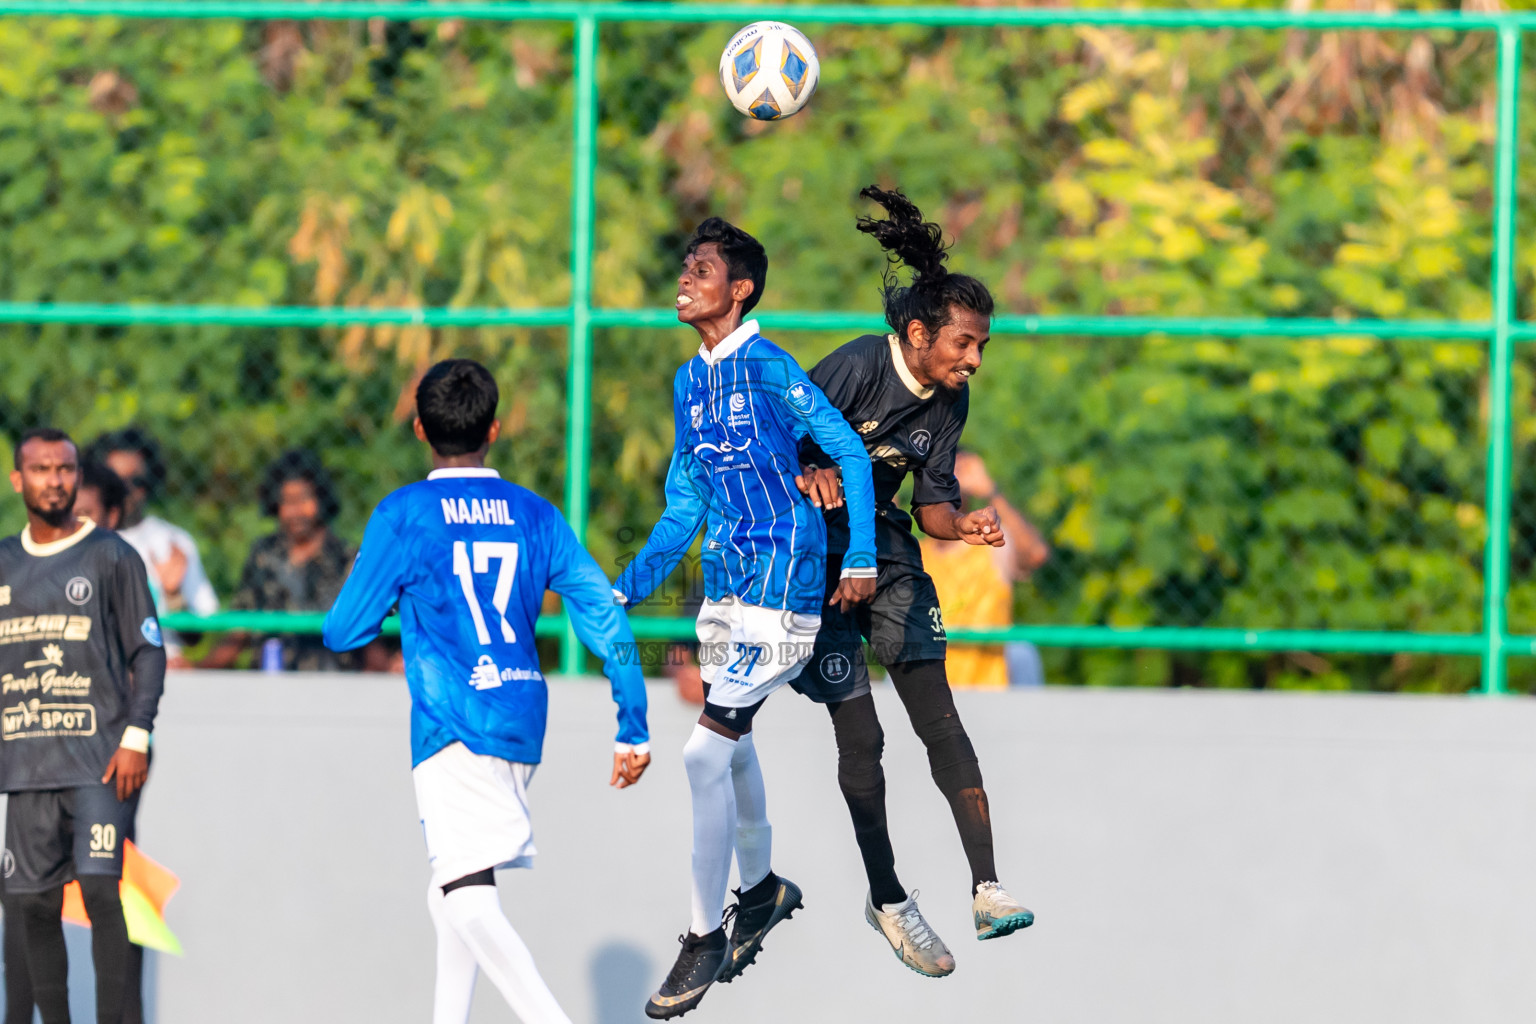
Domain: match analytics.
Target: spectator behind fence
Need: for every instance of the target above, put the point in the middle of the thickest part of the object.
(175, 569)
(300, 568)
(975, 585)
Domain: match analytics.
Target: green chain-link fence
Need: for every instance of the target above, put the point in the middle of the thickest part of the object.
(1256, 378)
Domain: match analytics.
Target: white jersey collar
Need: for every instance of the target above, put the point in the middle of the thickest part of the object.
(449, 472)
(31, 546)
(900, 362)
(733, 341)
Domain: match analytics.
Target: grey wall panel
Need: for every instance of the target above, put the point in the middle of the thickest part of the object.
(1192, 857)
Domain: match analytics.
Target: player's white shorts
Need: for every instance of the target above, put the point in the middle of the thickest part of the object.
(747, 651)
(474, 812)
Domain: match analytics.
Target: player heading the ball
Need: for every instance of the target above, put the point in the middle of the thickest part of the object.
(740, 409)
(468, 557)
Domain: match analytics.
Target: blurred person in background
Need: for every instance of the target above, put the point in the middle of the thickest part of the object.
(299, 568)
(975, 585)
(101, 496)
(176, 571)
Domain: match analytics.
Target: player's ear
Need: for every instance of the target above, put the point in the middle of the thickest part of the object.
(421, 431)
(492, 434)
(742, 290)
(917, 335)
(16, 480)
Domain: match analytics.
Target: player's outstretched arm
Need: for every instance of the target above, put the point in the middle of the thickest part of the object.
(686, 488)
(603, 627)
(372, 588)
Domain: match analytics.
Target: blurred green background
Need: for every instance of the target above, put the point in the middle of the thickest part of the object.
(1326, 483)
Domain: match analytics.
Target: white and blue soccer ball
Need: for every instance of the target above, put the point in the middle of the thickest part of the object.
(769, 70)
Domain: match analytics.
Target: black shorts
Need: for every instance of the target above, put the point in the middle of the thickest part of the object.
(735, 719)
(52, 836)
(902, 624)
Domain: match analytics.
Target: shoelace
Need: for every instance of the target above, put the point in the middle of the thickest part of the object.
(995, 895)
(727, 918)
(913, 925)
(683, 967)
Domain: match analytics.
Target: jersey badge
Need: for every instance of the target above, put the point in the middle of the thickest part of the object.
(738, 402)
(78, 590)
(150, 627)
(800, 398)
(5, 595)
(696, 414)
(486, 676)
(834, 668)
(921, 442)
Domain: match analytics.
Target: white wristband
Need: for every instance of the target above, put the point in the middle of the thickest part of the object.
(631, 748)
(136, 739)
(858, 572)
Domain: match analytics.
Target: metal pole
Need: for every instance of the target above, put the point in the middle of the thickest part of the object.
(578, 396)
(1500, 364)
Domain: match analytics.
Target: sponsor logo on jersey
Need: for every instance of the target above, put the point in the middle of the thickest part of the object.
(53, 654)
(921, 441)
(485, 675)
(835, 667)
(32, 628)
(32, 719)
(150, 627)
(51, 683)
(800, 398)
(888, 455)
(490, 511)
(738, 402)
(78, 590)
(868, 426)
(5, 595)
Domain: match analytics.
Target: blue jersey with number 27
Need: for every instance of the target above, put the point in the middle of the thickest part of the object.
(468, 556)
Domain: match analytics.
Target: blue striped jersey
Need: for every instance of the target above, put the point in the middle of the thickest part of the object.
(739, 412)
(467, 556)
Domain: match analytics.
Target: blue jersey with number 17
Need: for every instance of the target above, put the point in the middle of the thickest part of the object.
(468, 556)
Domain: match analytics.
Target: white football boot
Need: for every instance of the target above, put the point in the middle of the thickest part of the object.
(998, 913)
(916, 943)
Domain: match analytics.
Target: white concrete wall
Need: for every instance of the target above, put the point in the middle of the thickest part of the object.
(1192, 857)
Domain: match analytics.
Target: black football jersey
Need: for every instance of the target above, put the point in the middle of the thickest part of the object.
(906, 429)
(80, 657)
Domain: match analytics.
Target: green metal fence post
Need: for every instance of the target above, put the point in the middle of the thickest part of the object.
(578, 399)
(1501, 359)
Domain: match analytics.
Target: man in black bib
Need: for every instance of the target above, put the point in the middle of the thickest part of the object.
(906, 394)
(81, 673)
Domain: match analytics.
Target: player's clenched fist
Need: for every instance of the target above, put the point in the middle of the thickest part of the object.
(628, 766)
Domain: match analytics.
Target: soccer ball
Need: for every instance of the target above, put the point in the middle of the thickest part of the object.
(769, 70)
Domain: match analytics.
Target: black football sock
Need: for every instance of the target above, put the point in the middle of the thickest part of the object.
(47, 958)
(111, 951)
(762, 892)
(924, 689)
(133, 988)
(18, 986)
(860, 743)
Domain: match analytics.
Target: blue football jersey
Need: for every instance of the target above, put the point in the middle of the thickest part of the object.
(468, 556)
(739, 413)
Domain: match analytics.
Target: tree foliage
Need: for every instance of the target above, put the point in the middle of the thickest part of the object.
(1334, 483)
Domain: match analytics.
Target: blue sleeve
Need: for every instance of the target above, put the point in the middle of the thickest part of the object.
(687, 485)
(817, 418)
(599, 622)
(372, 588)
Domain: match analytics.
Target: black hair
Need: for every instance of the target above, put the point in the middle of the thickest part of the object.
(744, 256)
(456, 403)
(47, 434)
(98, 476)
(298, 464)
(909, 239)
(138, 441)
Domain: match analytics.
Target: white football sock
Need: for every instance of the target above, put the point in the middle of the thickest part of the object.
(455, 988)
(707, 756)
(754, 835)
(475, 913)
